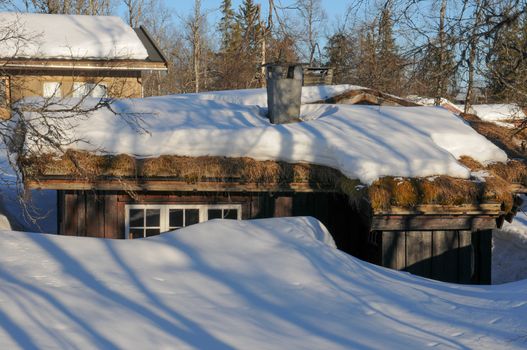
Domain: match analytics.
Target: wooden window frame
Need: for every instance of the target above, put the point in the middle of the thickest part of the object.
(165, 208)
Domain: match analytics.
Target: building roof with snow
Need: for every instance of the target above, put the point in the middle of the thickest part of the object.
(37, 37)
(363, 143)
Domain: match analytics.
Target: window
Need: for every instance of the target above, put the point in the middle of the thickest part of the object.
(145, 220)
(51, 89)
(89, 89)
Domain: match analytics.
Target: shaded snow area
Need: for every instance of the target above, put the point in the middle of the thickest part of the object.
(364, 142)
(41, 205)
(509, 249)
(500, 114)
(44, 36)
(261, 284)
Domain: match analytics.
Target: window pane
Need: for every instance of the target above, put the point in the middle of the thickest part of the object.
(51, 89)
(137, 218)
(214, 214)
(191, 216)
(98, 90)
(152, 232)
(230, 214)
(136, 233)
(175, 218)
(80, 90)
(153, 217)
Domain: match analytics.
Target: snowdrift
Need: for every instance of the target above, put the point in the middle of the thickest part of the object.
(262, 284)
(509, 249)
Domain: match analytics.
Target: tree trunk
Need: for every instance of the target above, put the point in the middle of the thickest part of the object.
(440, 87)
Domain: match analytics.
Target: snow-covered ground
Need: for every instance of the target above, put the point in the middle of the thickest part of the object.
(500, 114)
(364, 142)
(262, 284)
(429, 101)
(509, 253)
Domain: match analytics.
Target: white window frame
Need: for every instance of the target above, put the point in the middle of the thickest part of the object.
(164, 212)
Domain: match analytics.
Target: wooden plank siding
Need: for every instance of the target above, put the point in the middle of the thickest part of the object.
(418, 253)
(445, 261)
(101, 213)
(452, 256)
(447, 248)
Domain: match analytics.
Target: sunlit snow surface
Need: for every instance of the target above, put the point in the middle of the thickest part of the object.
(262, 284)
(364, 142)
(46, 36)
(498, 112)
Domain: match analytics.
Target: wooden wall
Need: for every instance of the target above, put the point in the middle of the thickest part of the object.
(460, 256)
(450, 256)
(101, 213)
(119, 83)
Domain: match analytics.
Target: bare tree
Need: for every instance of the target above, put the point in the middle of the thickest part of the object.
(440, 82)
(196, 28)
(313, 17)
(134, 12)
(77, 7)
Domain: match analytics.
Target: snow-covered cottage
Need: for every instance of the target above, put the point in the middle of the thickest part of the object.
(72, 55)
(411, 188)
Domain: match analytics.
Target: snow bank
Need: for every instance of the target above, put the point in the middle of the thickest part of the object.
(364, 142)
(498, 112)
(69, 37)
(509, 250)
(262, 284)
(429, 101)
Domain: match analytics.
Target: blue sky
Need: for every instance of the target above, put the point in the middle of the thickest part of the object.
(333, 7)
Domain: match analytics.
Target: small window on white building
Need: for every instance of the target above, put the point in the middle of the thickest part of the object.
(51, 89)
(145, 220)
(81, 89)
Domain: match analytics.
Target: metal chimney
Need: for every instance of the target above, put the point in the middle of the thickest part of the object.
(284, 92)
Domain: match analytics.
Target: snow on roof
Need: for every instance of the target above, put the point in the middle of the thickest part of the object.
(259, 96)
(228, 284)
(498, 112)
(44, 36)
(364, 142)
(429, 101)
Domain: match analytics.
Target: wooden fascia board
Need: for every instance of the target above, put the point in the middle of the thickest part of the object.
(437, 209)
(171, 185)
(433, 222)
(112, 65)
